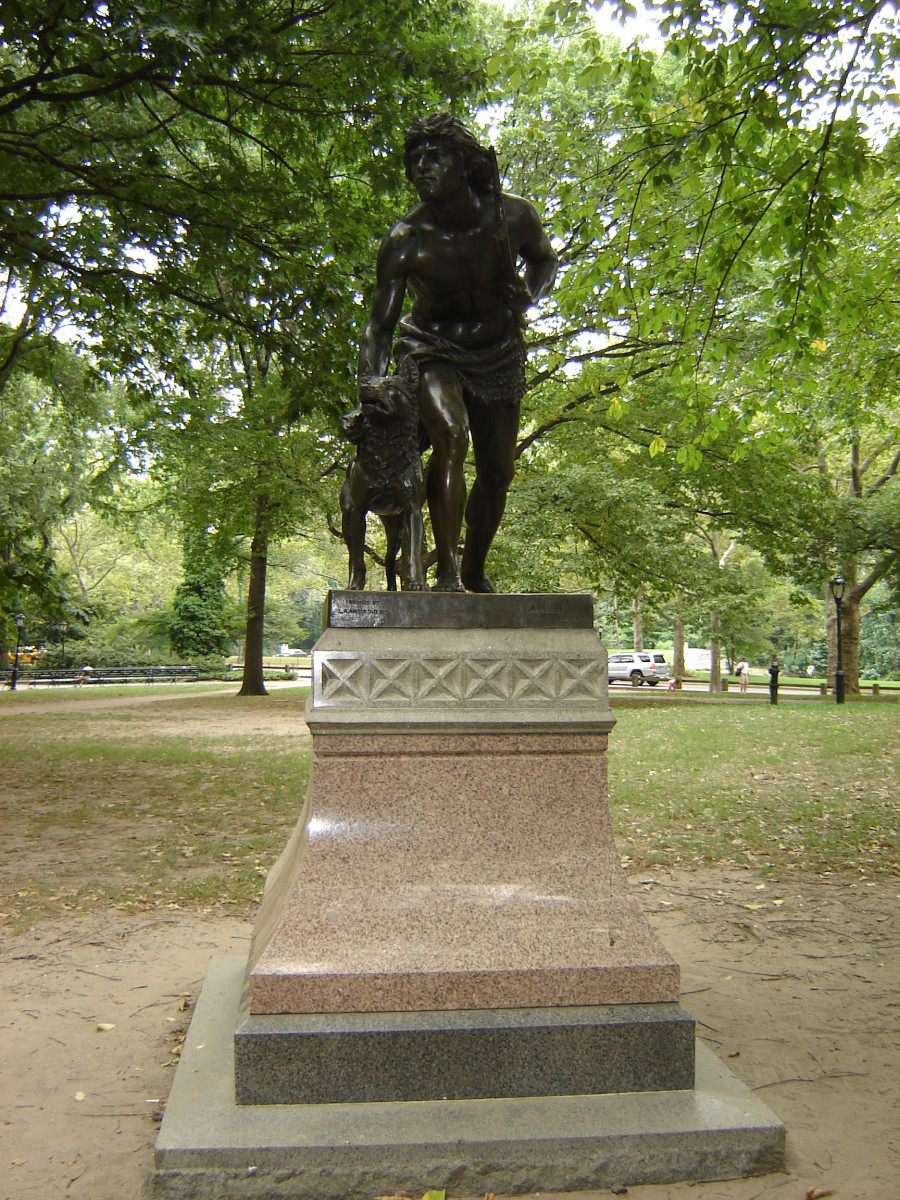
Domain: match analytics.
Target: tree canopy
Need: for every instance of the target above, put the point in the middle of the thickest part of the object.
(193, 195)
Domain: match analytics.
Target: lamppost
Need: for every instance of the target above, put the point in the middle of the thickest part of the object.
(63, 626)
(838, 586)
(19, 619)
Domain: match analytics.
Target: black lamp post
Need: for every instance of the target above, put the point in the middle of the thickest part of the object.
(63, 626)
(20, 625)
(838, 586)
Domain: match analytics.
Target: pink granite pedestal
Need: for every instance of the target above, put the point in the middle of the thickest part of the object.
(455, 852)
(457, 870)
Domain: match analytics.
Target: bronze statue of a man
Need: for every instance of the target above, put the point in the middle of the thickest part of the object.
(453, 255)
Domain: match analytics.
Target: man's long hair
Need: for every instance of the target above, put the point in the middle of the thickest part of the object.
(442, 127)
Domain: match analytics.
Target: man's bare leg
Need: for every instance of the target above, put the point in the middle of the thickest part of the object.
(443, 413)
(495, 428)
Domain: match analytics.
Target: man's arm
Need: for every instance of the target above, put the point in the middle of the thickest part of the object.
(387, 304)
(531, 242)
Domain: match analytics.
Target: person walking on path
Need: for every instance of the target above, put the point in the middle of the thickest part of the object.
(743, 670)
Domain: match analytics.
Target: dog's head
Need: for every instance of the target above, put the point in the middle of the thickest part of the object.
(383, 399)
(392, 396)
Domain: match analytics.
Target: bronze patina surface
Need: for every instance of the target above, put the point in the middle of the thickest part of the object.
(455, 256)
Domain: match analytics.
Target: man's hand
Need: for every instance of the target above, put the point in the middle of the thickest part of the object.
(518, 300)
(517, 295)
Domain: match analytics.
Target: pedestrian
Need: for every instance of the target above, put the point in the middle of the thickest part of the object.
(743, 670)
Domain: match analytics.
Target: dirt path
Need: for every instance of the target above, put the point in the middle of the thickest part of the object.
(797, 987)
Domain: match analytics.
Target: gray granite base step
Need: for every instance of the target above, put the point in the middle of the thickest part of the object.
(210, 1147)
(340, 1058)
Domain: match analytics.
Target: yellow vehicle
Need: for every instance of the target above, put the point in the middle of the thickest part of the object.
(28, 656)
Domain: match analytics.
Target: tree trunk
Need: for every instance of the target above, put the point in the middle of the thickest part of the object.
(678, 648)
(637, 620)
(850, 640)
(849, 636)
(715, 655)
(4, 641)
(253, 684)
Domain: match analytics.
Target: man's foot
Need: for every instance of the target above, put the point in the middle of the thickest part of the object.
(449, 581)
(478, 583)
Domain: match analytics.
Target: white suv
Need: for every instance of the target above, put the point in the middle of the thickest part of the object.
(638, 666)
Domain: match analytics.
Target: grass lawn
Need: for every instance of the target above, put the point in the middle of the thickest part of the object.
(791, 787)
(181, 802)
(188, 800)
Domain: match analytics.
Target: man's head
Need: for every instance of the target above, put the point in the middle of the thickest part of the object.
(447, 132)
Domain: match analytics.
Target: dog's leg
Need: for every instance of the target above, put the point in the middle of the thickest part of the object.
(353, 527)
(392, 533)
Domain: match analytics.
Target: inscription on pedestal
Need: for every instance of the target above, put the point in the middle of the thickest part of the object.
(451, 610)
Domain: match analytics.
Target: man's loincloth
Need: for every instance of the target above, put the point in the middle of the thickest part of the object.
(494, 374)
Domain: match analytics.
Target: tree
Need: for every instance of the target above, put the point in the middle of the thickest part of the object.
(207, 177)
(120, 552)
(60, 444)
(200, 626)
(138, 141)
(699, 229)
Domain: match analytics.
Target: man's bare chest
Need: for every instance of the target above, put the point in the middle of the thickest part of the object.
(456, 261)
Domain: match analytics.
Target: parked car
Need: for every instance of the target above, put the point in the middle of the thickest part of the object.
(640, 666)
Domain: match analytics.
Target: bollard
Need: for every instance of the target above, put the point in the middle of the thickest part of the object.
(876, 690)
(773, 682)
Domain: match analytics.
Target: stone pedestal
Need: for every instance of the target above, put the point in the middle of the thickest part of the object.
(449, 925)
(459, 925)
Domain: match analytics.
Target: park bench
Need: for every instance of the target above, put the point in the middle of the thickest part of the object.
(51, 675)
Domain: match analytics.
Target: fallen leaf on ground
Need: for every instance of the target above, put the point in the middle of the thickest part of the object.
(79, 1096)
(815, 1193)
(103, 1027)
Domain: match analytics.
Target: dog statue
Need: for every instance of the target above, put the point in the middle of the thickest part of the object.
(385, 477)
